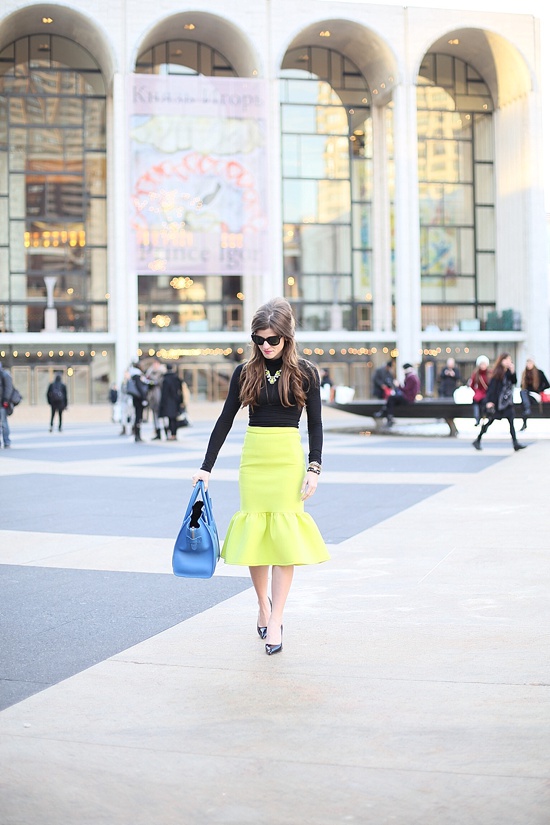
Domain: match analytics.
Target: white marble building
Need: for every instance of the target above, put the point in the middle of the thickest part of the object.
(397, 187)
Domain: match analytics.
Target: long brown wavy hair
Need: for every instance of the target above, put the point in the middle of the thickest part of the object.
(277, 315)
(499, 369)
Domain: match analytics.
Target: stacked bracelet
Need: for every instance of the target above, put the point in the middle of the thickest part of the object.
(314, 467)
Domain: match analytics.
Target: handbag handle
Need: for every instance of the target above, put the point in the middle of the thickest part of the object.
(207, 504)
(198, 488)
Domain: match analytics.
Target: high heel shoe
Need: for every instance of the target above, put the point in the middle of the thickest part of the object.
(262, 631)
(271, 649)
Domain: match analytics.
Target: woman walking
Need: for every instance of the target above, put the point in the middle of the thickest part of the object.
(499, 401)
(171, 399)
(479, 382)
(271, 529)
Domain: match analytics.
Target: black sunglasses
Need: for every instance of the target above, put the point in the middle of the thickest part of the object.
(273, 340)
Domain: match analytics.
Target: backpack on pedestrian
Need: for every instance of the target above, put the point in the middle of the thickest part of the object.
(14, 399)
(57, 396)
(136, 388)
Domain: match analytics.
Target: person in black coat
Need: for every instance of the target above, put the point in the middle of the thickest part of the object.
(171, 400)
(382, 381)
(449, 379)
(500, 399)
(57, 399)
(533, 380)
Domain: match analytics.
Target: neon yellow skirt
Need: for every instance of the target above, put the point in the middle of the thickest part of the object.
(271, 527)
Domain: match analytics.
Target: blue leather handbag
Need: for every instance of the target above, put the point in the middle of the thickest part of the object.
(197, 547)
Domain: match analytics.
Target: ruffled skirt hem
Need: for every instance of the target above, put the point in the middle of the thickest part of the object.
(279, 538)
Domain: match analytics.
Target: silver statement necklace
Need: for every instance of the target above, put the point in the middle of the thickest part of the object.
(272, 378)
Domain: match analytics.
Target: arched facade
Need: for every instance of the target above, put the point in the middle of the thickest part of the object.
(396, 203)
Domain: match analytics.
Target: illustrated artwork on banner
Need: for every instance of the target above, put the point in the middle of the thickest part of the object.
(197, 157)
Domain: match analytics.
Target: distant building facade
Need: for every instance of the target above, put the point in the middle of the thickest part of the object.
(163, 173)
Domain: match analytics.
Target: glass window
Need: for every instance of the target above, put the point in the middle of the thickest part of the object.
(299, 119)
(184, 57)
(464, 161)
(485, 226)
(456, 189)
(46, 118)
(362, 225)
(484, 183)
(327, 142)
(430, 124)
(3, 221)
(486, 282)
(459, 204)
(483, 138)
(467, 252)
(324, 157)
(95, 166)
(361, 179)
(97, 224)
(431, 204)
(3, 125)
(95, 127)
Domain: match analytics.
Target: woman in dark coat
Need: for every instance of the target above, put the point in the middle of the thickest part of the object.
(171, 400)
(500, 399)
(533, 380)
(57, 399)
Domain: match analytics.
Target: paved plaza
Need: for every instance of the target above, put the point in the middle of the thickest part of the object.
(414, 685)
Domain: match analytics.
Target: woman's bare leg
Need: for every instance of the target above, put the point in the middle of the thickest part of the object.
(281, 579)
(260, 576)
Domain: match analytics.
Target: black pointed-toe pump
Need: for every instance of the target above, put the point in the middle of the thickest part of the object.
(272, 649)
(262, 631)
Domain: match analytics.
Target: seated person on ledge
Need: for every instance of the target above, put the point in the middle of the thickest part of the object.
(404, 394)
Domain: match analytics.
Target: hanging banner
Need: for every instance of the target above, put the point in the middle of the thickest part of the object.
(197, 171)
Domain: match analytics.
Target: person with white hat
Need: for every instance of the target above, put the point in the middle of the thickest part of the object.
(479, 382)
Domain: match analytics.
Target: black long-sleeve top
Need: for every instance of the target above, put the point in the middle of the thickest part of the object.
(269, 412)
(495, 388)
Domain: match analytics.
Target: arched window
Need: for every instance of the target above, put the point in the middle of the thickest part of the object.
(53, 233)
(456, 192)
(184, 57)
(212, 301)
(327, 189)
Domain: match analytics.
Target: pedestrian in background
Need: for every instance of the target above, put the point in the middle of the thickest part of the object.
(382, 381)
(155, 374)
(449, 379)
(479, 382)
(113, 398)
(6, 389)
(499, 401)
(271, 528)
(327, 387)
(404, 394)
(126, 406)
(171, 401)
(137, 387)
(57, 399)
(533, 380)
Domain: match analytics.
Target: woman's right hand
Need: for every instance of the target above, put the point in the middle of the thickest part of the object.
(201, 475)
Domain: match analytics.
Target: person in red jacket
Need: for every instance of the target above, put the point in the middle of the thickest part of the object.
(404, 394)
(479, 382)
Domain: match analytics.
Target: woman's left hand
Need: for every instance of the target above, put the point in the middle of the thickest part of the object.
(309, 486)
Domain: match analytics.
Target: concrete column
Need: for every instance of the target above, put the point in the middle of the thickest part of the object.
(122, 276)
(521, 252)
(537, 322)
(381, 229)
(407, 225)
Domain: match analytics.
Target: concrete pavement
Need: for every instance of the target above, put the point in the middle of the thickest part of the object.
(414, 685)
